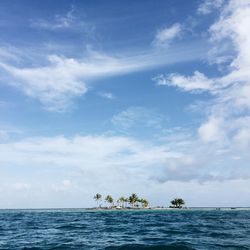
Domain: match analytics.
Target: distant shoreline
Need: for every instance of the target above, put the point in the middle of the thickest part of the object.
(133, 209)
(168, 209)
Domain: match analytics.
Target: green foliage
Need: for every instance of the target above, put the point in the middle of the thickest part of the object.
(109, 199)
(133, 198)
(178, 202)
(98, 198)
(135, 201)
(121, 201)
(144, 203)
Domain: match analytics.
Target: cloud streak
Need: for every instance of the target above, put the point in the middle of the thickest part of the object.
(69, 21)
(62, 79)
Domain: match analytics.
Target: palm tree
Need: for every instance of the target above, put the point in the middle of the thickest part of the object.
(109, 199)
(174, 202)
(141, 201)
(118, 202)
(98, 198)
(177, 202)
(121, 201)
(133, 198)
(126, 200)
(144, 203)
(181, 202)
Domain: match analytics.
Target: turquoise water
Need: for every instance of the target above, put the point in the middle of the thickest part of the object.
(79, 229)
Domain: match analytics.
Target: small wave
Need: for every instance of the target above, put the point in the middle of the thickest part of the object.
(31, 248)
(151, 247)
(71, 227)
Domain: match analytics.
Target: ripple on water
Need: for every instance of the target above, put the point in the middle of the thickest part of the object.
(151, 247)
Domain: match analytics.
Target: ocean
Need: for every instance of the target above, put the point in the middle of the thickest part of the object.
(82, 229)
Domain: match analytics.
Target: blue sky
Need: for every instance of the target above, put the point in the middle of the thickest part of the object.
(150, 97)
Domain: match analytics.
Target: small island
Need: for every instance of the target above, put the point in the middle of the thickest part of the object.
(133, 202)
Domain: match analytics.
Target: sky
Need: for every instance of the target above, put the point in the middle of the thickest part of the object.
(116, 97)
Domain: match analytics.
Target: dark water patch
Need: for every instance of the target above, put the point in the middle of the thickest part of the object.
(71, 227)
(151, 247)
(31, 248)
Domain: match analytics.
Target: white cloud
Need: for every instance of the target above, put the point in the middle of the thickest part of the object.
(21, 186)
(64, 186)
(212, 130)
(108, 158)
(243, 137)
(241, 126)
(164, 36)
(48, 169)
(137, 116)
(231, 92)
(4, 135)
(196, 83)
(107, 95)
(6, 53)
(224, 137)
(61, 79)
(233, 26)
(207, 6)
(62, 22)
(64, 78)
(117, 158)
(53, 86)
(86, 152)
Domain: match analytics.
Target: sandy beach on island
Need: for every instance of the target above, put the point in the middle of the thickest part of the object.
(170, 209)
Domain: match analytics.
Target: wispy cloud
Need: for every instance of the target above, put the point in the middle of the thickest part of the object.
(3, 135)
(6, 53)
(53, 86)
(196, 83)
(8, 131)
(207, 6)
(63, 78)
(62, 22)
(107, 95)
(137, 117)
(164, 36)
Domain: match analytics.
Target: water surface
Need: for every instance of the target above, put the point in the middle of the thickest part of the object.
(79, 229)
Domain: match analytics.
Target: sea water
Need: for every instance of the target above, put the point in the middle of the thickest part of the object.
(82, 229)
